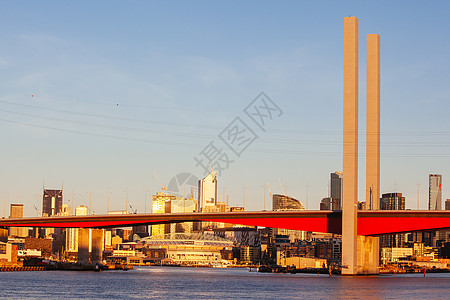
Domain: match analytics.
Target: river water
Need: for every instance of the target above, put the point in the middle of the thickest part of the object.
(211, 283)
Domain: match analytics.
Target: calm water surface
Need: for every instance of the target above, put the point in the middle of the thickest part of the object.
(206, 283)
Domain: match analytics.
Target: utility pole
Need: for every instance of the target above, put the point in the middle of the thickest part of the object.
(243, 202)
(107, 207)
(307, 186)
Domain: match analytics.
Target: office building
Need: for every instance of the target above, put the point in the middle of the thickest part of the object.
(326, 203)
(161, 203)
(16, 211)
(52, 202)
(336, 190)
(392, 201)
(435, 192)
(72, 233)
(207, 190)
(283, 202)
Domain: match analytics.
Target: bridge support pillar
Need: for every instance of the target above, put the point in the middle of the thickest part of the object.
(350, 148)
(97, 242)
(83, 245)
(368, 253)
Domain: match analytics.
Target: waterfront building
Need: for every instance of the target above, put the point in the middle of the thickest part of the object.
(435, 192)
(207, 190)
(190, 249)
(390, 255)
(8, 253)
(249, 254)
(16, 211)
(392, 201)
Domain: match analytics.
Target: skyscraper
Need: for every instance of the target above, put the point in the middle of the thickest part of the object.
(207, 190)
(72, 233)
(162, 203)
(392, 201)
(336, 190)
(52, 202)
(435, 192)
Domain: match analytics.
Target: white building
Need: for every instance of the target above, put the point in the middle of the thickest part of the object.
(207, 192)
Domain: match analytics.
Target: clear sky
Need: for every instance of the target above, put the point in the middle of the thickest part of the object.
(99, 95)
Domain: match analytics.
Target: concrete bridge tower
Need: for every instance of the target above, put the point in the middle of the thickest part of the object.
(360, 253)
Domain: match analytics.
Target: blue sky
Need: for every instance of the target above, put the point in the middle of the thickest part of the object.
(100, 94)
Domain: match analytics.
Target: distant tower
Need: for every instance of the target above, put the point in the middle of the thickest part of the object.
(435, 192)
(336, 190)
(52, 202)
(207, 190)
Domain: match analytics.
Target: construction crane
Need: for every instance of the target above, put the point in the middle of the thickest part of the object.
(163, 188)
(37, 210)
(135, 211)
(270, 193)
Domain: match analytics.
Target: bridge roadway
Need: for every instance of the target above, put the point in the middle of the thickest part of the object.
(370, 223)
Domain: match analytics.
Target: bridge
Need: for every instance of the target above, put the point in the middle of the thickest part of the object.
(369, 223)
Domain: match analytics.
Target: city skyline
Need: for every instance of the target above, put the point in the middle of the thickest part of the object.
(100, 114)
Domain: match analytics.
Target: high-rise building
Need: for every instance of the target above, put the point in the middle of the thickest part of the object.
(16, 211)
(182, 205)
(392, 201)
(336, 190)
(72, 233)
(207, 190)
(162, 203)
(52, 202)
(435, 192)
(326, 203)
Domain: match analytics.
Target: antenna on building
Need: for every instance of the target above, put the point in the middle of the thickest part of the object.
(228, 197)
(418, 185)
